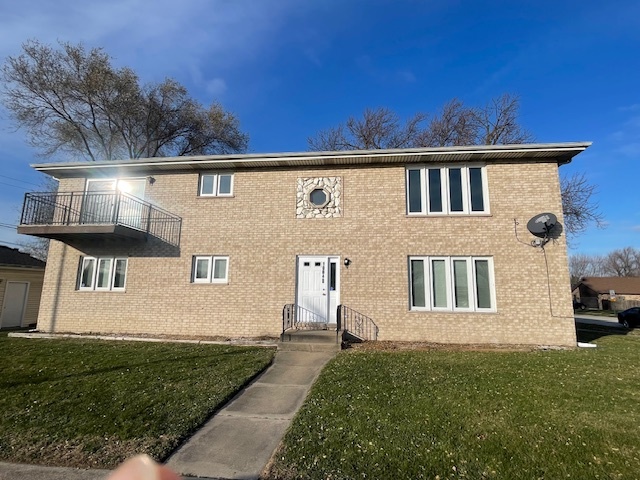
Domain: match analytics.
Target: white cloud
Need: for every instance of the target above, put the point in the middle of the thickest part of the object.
(158, 39)
(216, 87)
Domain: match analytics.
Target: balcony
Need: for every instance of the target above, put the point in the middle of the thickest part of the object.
(111, 215)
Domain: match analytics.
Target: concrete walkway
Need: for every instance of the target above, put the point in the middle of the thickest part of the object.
(239, 440)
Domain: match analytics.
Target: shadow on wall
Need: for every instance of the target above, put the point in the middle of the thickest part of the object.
(152, 248)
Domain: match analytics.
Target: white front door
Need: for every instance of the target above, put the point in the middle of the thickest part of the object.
(15, 301)
(318, 292)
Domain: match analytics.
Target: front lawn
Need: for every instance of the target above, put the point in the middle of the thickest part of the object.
(94, 403)
(471, 414)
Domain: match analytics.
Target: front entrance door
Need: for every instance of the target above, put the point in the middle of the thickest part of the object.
(15, 301)
(318, 293)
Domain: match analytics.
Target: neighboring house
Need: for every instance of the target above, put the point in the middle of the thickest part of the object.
(424, 241)
(21, 278)
(607, 293)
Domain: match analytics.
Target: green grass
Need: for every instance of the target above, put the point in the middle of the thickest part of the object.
(471, 414)
(95, 403)
(599, 313)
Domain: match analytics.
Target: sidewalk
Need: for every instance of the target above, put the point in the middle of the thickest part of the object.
(239, 440)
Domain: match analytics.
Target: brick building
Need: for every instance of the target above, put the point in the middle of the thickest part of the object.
(430, 243)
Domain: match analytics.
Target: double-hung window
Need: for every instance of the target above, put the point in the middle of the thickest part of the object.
(216, 185)
(103, 274)
(459, 284)
(447, 190)
(210, 269)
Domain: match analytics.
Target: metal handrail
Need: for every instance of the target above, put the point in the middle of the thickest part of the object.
(100, 208)
(356, 324)
(295, 316)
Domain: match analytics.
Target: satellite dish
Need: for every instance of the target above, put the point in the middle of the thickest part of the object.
(542, 224)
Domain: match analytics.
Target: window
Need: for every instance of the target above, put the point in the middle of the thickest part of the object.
(459, 284)
(447, 190)
(318, 197)
(210, 269)
(216, 185)
(102, 274)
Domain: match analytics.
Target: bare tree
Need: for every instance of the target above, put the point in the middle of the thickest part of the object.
(582, 265)
(75, 102)
(578, 206)
(377, 129)
(624, 262)
(498, 122)
(456, 124)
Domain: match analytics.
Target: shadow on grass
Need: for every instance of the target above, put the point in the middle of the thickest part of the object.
(586, 332)
(115, 368)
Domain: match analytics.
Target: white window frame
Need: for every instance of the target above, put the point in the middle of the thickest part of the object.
(211, 260)
(450, 284)
(93, 286)
(445, 190)
(216, 184)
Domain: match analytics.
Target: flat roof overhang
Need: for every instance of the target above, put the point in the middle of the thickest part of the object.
(560, 153)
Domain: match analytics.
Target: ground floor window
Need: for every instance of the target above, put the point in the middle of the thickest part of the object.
(102, 273)
(210, 269)
(463, 284)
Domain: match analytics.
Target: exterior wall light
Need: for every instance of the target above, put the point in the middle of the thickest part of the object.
(347, 262)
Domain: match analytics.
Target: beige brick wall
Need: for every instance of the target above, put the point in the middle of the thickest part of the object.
(259, 231)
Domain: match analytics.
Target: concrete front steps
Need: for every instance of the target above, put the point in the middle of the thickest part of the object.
(310, 341)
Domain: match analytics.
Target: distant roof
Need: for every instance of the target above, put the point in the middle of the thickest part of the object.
(15, 258)
(621, 285)
(560, 153)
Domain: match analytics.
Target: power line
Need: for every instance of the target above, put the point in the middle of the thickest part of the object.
(10, 227)
(14, 186)
(21, 181)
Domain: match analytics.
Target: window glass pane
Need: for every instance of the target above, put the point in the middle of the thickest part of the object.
(104, 269)
(483, 288)
(417, 283)
(224, 184)
(207, 185)
(202, 268)
(318, 197)
(88, 266)
(332, 276)
(439, 283)
(461, 283)
(435, 190)
(415, 191)
(455, 190)
(475, 180)
(120, 274)
(220, 268)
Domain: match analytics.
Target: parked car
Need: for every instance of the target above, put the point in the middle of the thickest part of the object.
(630, 317)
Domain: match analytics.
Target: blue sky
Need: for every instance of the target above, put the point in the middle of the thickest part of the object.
(288, 68)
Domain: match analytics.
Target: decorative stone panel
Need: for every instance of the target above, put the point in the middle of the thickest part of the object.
(332, 187)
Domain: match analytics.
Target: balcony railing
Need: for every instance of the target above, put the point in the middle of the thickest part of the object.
(67, 209)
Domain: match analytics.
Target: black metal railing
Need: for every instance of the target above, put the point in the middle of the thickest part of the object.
(295, 316)
(100, 208)
(356, 324)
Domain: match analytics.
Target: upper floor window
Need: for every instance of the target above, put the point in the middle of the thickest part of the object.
(453, 190)
(102, 273)
(216, 185)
